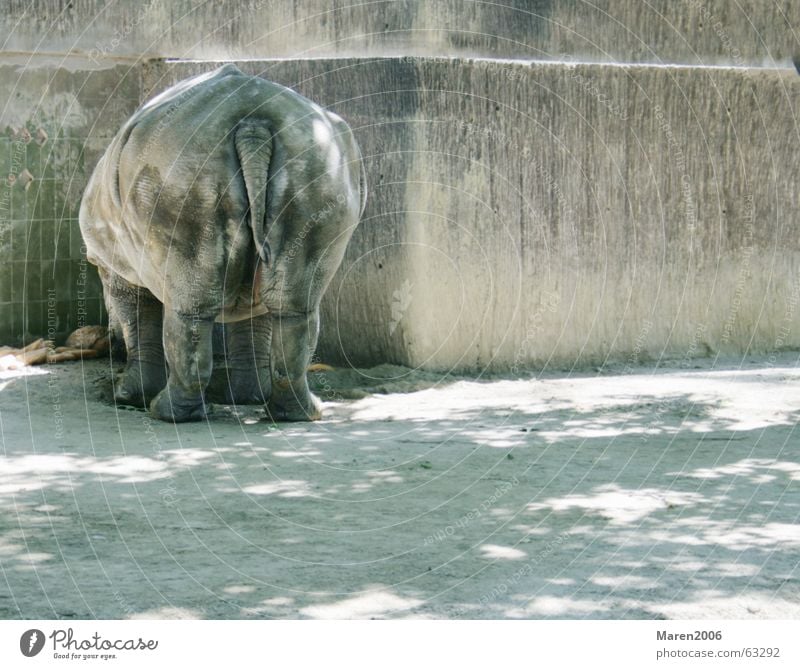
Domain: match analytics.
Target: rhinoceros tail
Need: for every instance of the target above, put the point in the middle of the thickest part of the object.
(254, 145)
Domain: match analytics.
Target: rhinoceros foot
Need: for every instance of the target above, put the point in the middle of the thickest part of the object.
(239, 387)
(175, 406)
(139, 384)
(294, 408)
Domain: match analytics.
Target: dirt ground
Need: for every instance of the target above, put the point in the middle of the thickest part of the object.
(645, 493)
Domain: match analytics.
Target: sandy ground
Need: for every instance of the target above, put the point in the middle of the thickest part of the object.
(668, 493)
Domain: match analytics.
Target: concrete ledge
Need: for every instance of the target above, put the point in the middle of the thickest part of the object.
(686, 31)
(524, 215)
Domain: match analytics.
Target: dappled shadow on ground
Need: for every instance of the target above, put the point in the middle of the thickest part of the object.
(641, 495)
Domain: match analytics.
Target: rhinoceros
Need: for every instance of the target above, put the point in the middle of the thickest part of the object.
(226, 199)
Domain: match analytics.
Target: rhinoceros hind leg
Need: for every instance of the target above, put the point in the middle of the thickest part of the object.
(187, 344)
(247, 379)
(294, 338)
(137, 315)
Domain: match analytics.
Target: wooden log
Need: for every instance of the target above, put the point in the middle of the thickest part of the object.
(64, 356)
(320, 367)
(34, 357)
(35, 345)
(85, 352)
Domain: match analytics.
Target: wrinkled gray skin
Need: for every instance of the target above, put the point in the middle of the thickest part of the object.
(228, 198)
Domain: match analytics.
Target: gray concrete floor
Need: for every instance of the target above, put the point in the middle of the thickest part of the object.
(631, 494)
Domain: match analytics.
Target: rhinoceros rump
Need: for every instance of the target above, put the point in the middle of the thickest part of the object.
(231, 199)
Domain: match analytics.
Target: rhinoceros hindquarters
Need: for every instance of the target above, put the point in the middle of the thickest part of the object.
(170, 211)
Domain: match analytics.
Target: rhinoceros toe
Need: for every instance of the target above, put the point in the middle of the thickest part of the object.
(174, 406)
(294, 409)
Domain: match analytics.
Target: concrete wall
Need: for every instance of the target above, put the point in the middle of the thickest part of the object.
(521, 214)
(54, 125)
(526, 214)
(669, 31)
